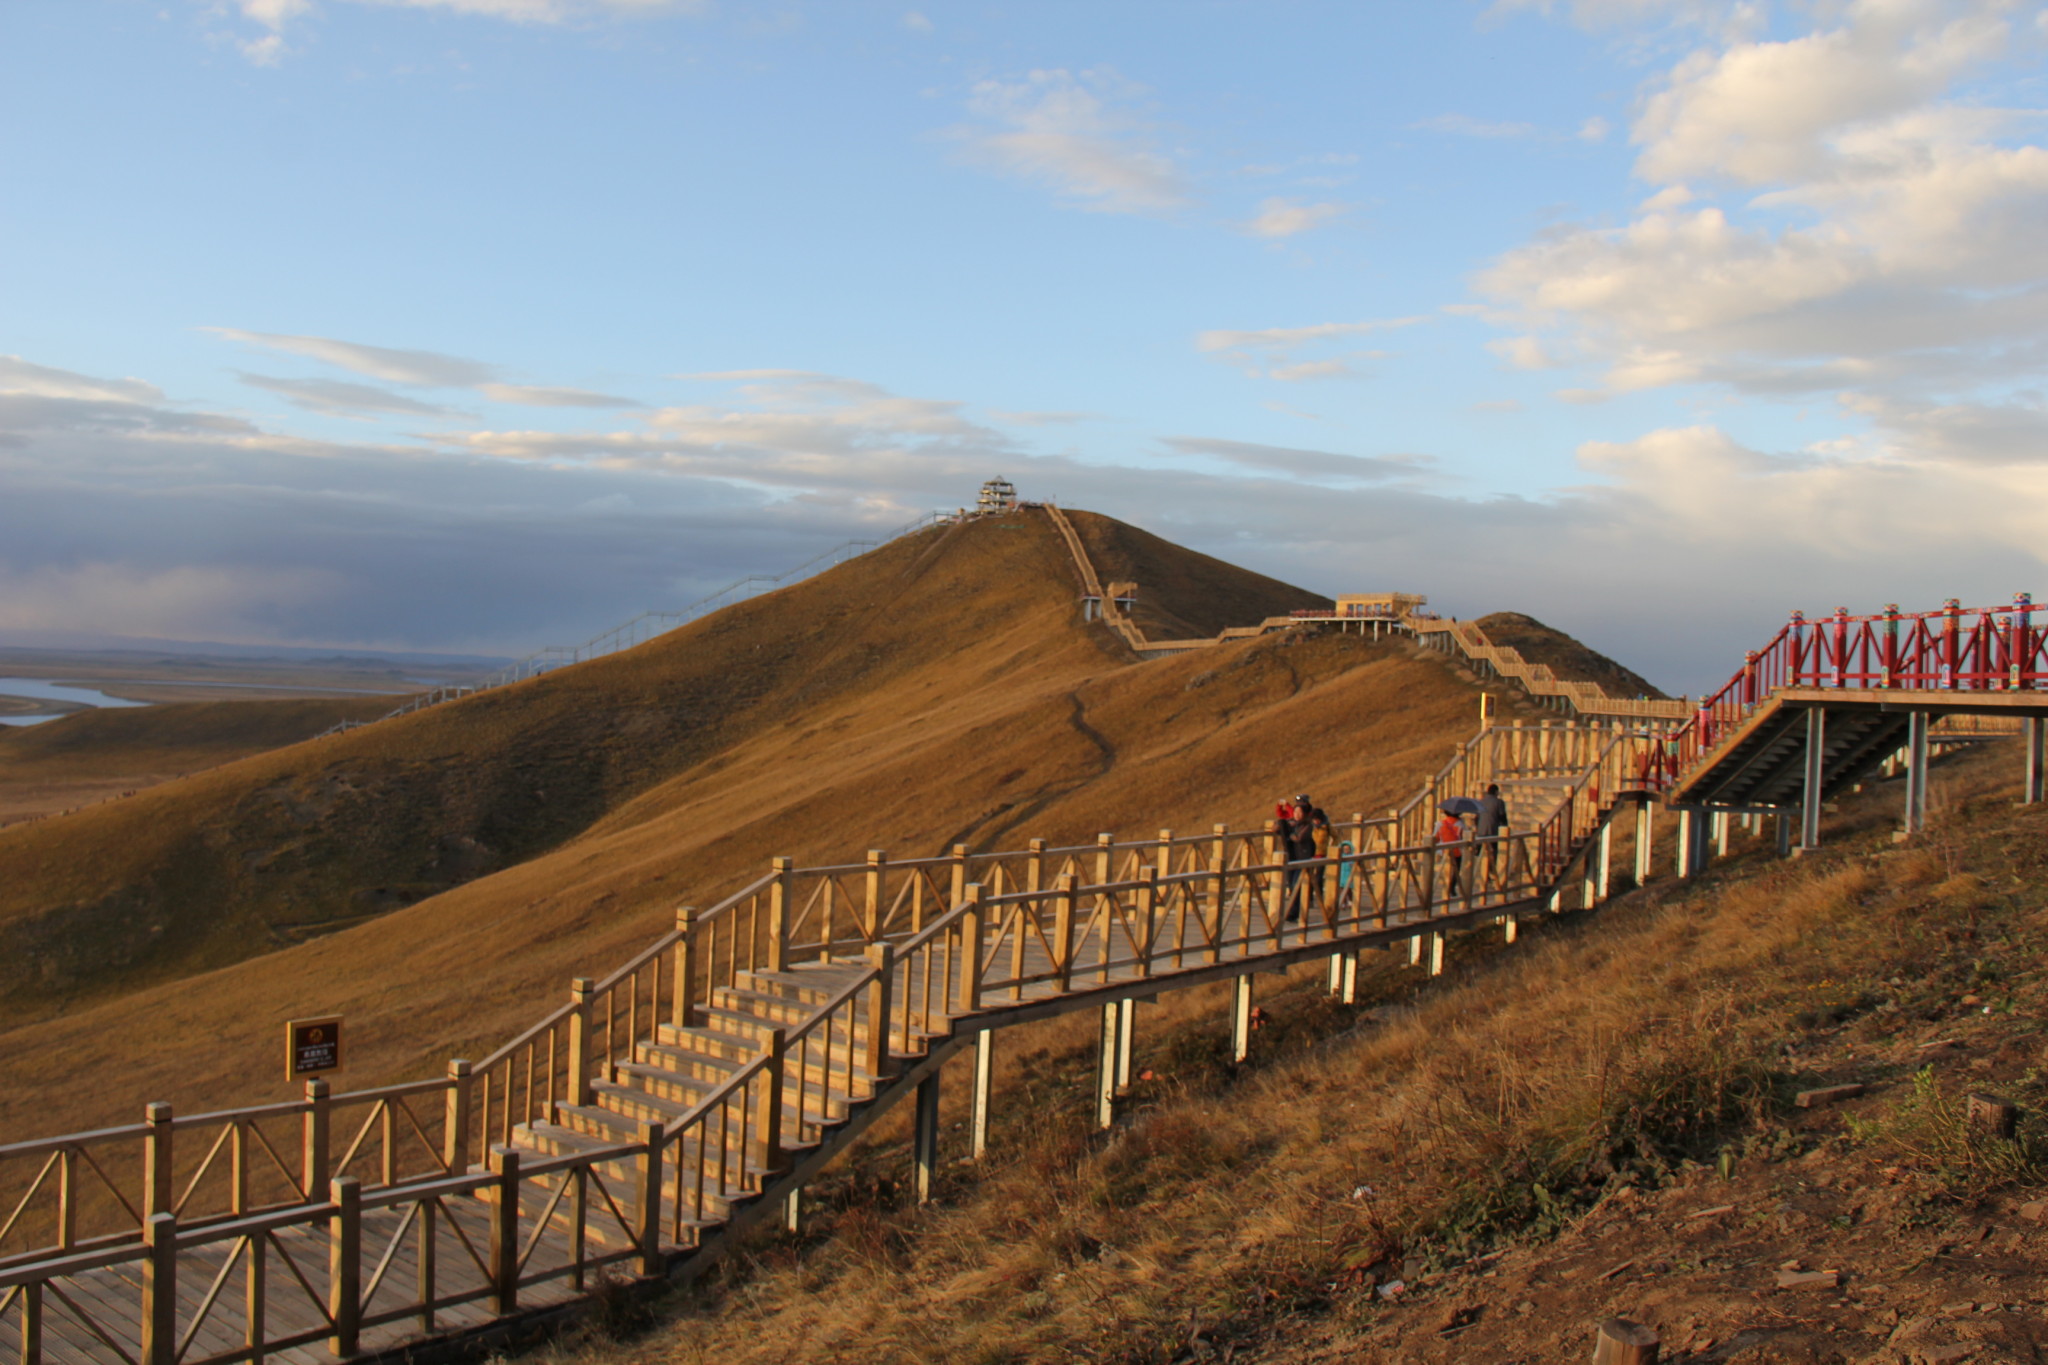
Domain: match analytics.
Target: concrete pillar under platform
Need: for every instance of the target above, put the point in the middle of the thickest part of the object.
(1439, 947)
(1916, 772)
(984, 1087)
(2031, 737)
(1105, 1066)
(1816, 772)
(1126, 1031)
(1241, 1018)
(924, 1143)
(1645, 831)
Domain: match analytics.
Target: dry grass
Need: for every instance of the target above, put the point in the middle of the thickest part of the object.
(1612, 1053)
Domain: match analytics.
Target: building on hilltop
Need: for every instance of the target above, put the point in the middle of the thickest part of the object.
(1387, 606)
(997, 495)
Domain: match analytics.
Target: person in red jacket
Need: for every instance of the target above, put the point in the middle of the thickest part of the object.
(1450, 837)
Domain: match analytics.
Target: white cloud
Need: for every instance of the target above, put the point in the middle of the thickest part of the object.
(1893, 223)
(420, 369)
(916, 22)
(25, 377)
(1524, 353)
(338, 397)
(1318, 466)
(1275, 352)
(1286, 218)
(541, 397)
(1077, 135)
(1594, 129)
(273, 16)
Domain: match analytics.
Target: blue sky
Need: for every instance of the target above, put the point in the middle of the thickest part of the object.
(480, 324)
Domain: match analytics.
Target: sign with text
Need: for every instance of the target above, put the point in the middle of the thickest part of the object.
(312, 1046)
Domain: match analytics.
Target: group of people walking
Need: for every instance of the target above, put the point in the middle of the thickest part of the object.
(1304, 831)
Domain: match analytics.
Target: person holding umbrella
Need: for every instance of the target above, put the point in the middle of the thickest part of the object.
(1450, 834)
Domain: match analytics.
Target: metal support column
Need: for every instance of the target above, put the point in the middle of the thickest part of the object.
(1916, 772)
(1688, 843)
(1721, 823)
(1784, 821)
(793, 1213)
(984, 1087)
(1816, 771)
(1241, 1018)
(924, 1144)
(2031, 793)
(1439, 946)
(1347, 992)
(1415, 951)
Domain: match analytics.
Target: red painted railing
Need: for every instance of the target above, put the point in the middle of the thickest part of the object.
(1954, 649)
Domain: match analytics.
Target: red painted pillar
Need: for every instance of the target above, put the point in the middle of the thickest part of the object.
(1891, 645)
(2024, 637)
(1951, 625)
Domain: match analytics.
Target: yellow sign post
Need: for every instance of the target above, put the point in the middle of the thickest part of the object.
(312, 1046)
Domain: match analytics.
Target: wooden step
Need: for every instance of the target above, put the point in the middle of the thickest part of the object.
(809, 983)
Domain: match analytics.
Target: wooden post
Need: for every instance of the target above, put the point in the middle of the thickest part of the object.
(455, 1118)
(1241, 1018)
(959, 876)
(768, 1101)
(1105, 1066)
(159, 1344)
(1991, 1117)
(1219, 892)
(882, 958)
(1621, 1342)
(157, 1193)
(779, 893)
(580, 991)
(32, 1323)
(505, 1230)
(345, 1265)
(683, 992)
(984, 1086)
(1063, 912)
(647, 1193)
(1034, 865)
(970, 951)
(313, 1142)
(925, 1138)
(877, 899)
(1148, 911)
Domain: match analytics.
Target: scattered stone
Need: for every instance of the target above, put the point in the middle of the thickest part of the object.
(1392, 1289)
(1827, 1094)
(2035, 1211)
(1809, 1279)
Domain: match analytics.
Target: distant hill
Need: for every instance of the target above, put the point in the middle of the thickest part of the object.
(469, 858)
(1566, 657)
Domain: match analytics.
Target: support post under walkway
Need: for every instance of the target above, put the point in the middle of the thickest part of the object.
(1816, 770)
(924, 1153)
(2032, 737)
(1916, 773)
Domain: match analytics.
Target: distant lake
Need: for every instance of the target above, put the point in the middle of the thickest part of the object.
(37, 689)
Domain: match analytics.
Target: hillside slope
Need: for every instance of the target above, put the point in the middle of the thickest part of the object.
(1598, 1122)
(941, 690)
(1565, 656)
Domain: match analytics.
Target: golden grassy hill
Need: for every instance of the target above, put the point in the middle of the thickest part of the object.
(1566, 657)
(940, 689)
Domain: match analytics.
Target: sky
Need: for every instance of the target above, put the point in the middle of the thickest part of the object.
(482, 325)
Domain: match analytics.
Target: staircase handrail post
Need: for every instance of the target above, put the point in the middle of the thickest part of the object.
(1219, 892)
(779, 893)
(581, 989)
(647, 1193)
(875, 888)
(159, 1343)
(504, 1257)
(2020, 649)
(768, 1102)
(456, 1117)
(683, 992)
(1066, 906)
(882, 960)
(1148, 914)
(313, 1140)
(1951, 645)
(157, 1193)
(970, 950)
(959, 875)
(345, 1265)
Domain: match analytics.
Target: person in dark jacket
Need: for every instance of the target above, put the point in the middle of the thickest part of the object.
(1489, 825)
(1299, 837)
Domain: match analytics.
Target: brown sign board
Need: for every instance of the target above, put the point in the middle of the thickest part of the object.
(312, 1046)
